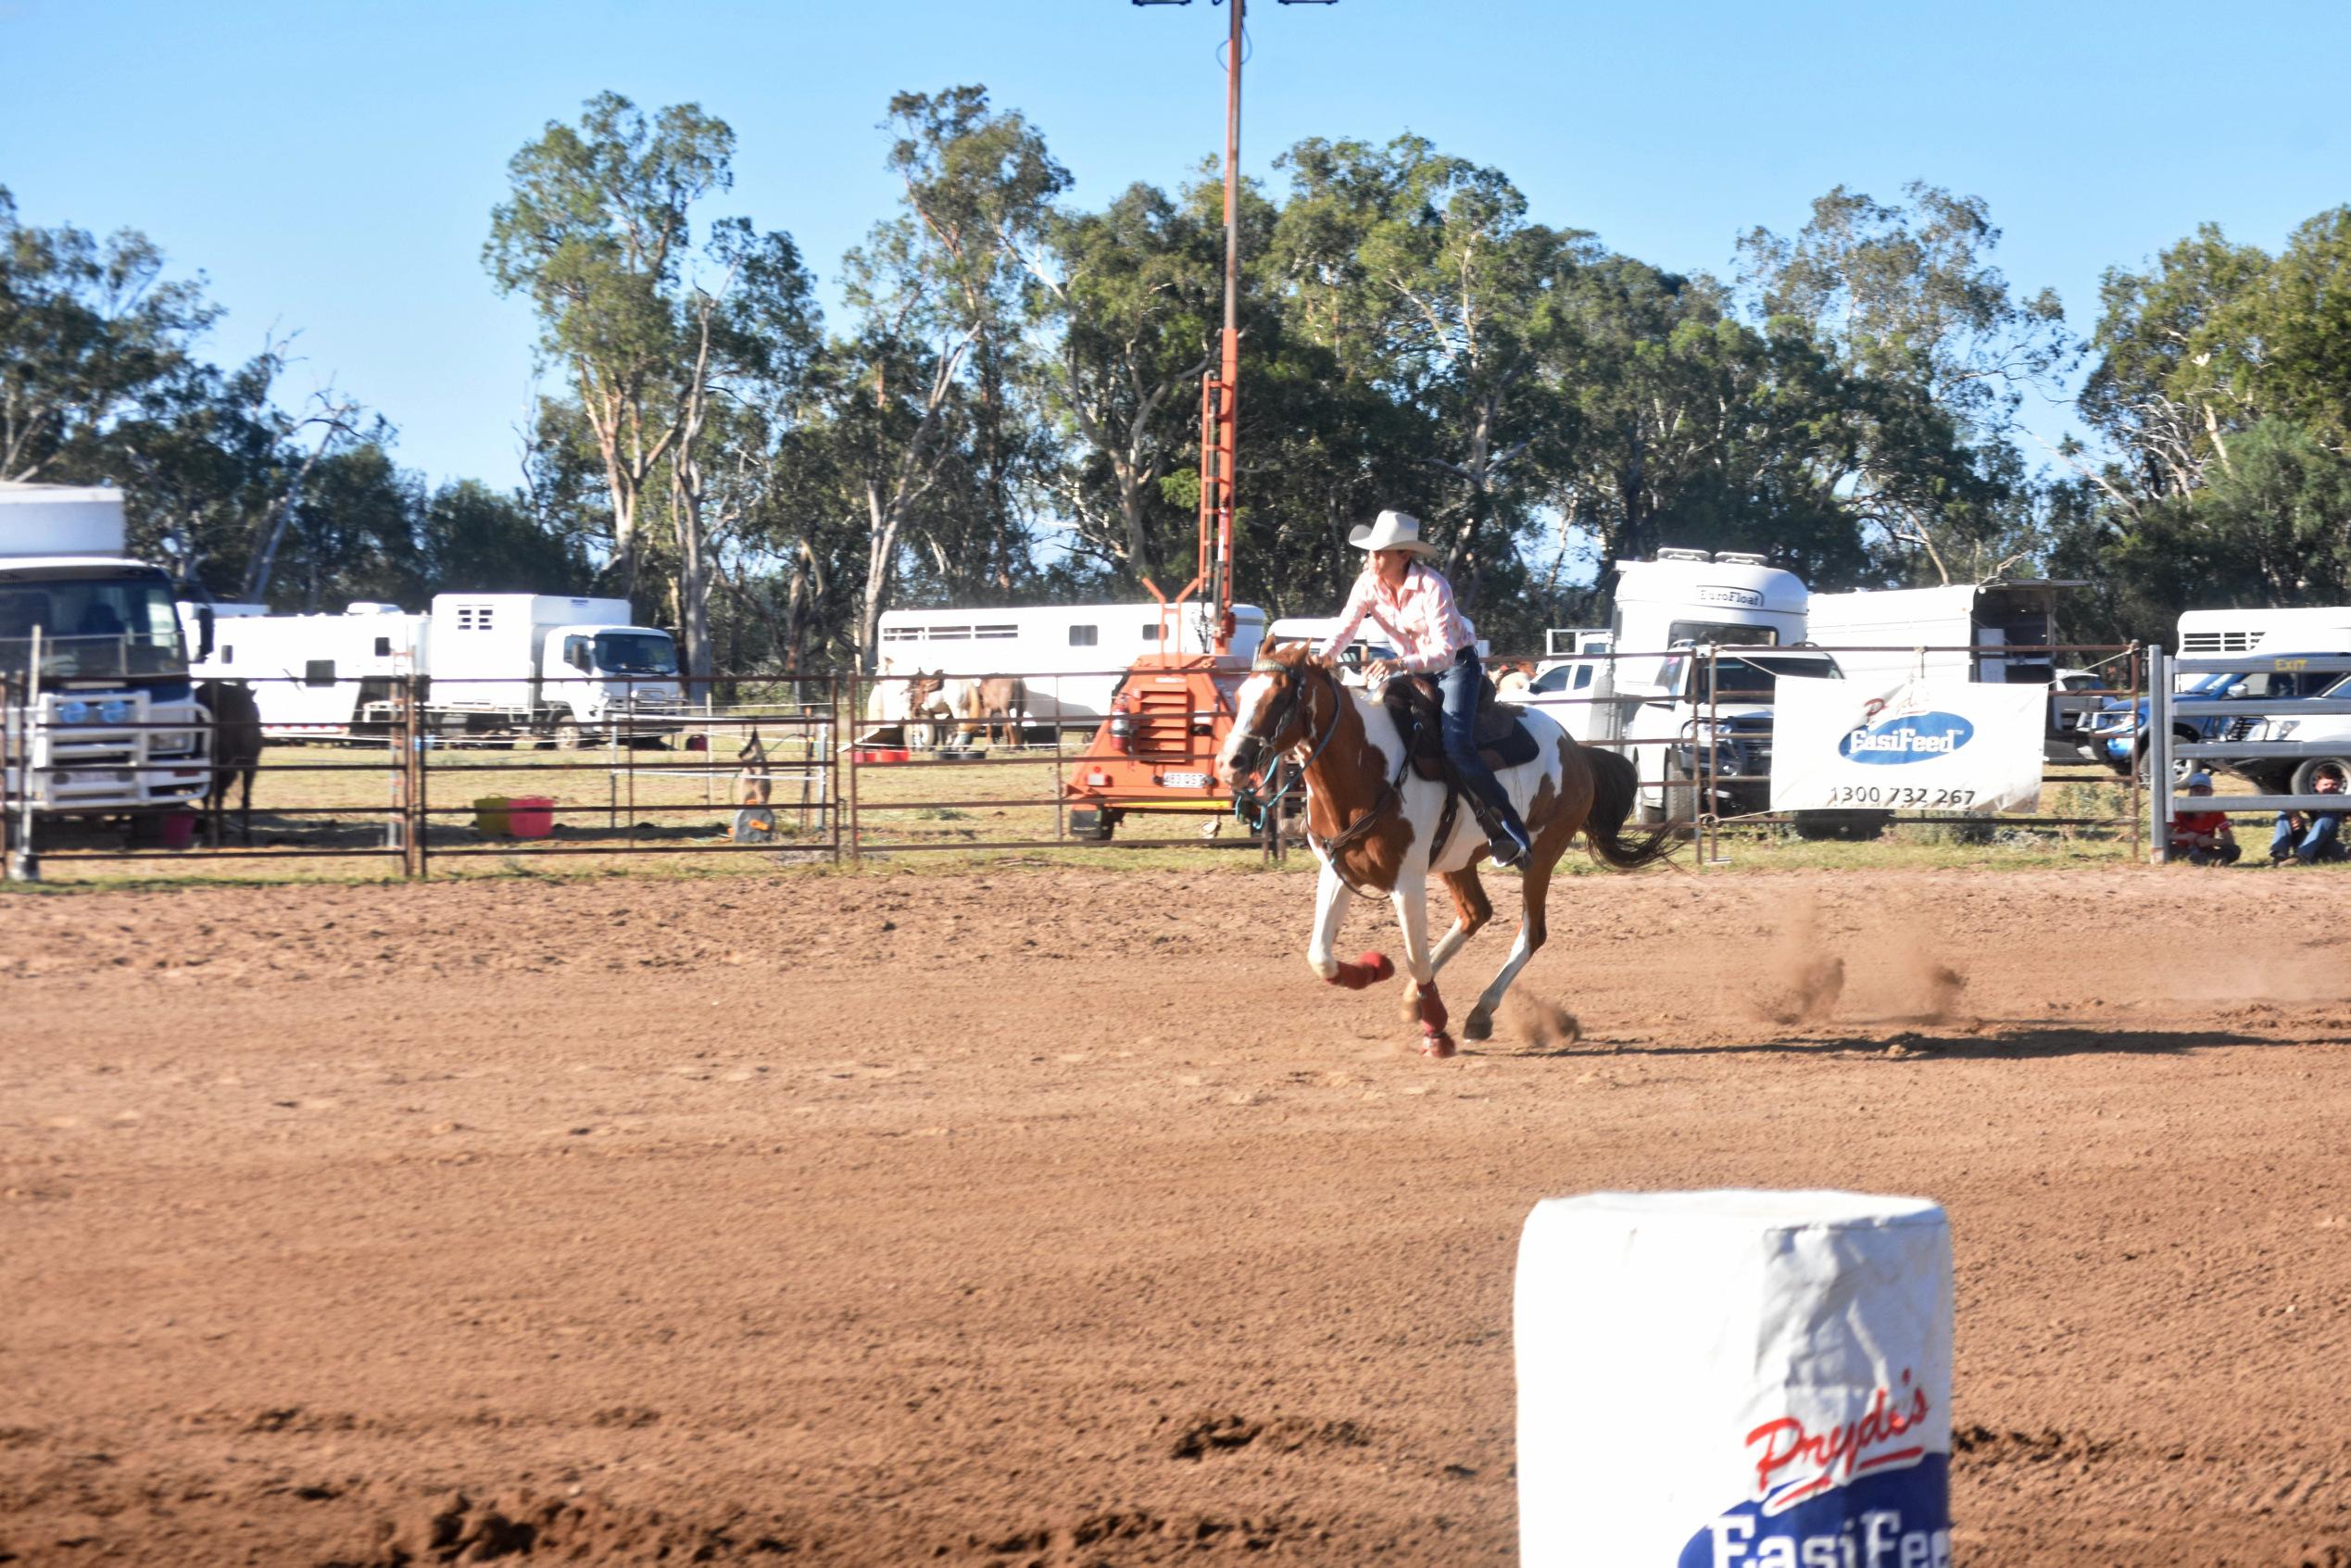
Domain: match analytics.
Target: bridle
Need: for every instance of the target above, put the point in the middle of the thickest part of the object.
(1247, 758)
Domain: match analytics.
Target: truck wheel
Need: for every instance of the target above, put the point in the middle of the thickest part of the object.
(2313, 769)
(2181, 766)
(564, 734)
(1842, 827)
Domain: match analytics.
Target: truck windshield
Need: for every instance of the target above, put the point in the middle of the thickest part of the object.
(1753, 678)
(636, 653)
(110, 626)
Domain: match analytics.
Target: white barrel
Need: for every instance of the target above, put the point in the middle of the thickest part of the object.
(1734, 1380)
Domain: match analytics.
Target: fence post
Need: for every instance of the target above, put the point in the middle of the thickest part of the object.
(2134, 660)
(2160, 749)
(24, 859)
(844, 746)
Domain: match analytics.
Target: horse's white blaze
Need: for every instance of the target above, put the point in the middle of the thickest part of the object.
(1249, 711)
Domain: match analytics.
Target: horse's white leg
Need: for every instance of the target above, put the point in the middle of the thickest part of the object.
(1411, 899)
(1331, 897)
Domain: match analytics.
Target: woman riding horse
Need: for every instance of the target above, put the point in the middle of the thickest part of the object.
(1409, 599)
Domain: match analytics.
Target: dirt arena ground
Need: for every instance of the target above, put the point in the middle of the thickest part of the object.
(1060, 1217)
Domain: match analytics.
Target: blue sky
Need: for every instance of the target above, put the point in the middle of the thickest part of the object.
(331, 165)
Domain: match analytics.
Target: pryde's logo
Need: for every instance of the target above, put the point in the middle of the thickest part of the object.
(1909, 733)
(1793, 1463)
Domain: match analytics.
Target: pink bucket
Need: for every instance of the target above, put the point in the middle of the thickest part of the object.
(530, 816)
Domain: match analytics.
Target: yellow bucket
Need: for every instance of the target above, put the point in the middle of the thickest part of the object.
(489, 816)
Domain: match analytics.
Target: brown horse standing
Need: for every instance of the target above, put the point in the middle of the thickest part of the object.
(994, 696)
(235, 753)
(1378, 827)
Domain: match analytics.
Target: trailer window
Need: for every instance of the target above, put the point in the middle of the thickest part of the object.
(1716, 631)
(901, 634)
(999, 631)
(950, 634)
(317, 672)
(1150, 633)
(1085, 636)
(384, 648)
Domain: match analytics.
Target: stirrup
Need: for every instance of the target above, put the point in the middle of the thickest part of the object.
(1508, 851)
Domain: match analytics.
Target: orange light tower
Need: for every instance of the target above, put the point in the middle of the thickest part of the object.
(1157, 750)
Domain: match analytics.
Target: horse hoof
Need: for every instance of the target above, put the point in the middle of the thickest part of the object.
(1377, 964)
(1439, 1045)
(1479, 1026)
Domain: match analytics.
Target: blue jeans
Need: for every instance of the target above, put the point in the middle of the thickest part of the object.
(1458, 686)
(2322, 841)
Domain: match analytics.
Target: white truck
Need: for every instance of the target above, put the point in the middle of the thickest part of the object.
(521, 666)
(1640, 683)
(104, 721)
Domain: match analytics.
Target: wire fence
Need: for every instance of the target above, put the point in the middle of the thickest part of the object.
(411, 773)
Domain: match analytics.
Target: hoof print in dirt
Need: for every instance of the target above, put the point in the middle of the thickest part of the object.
(1209, 1434)
(1213, 1432)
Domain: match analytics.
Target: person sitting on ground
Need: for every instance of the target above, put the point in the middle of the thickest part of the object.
(2307, 838)
(2203, 838)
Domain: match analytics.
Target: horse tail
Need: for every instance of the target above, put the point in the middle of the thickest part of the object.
(1615, 787)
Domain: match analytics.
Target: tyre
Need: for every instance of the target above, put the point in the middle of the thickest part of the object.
(1841, 827)
(2181, 766)
(2312, 769)
(564, 734)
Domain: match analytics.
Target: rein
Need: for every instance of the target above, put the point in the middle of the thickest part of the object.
(1391, 793)
(1329, 735)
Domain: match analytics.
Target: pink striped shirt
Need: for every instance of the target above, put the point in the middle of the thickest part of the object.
(1419, 619)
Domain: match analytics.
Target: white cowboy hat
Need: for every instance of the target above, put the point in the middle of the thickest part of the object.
(1392, 530)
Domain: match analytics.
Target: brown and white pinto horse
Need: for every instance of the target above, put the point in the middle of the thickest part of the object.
(1372, 823)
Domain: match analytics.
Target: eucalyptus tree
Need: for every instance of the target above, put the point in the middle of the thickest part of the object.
(1422, 273)
(2170, 384)
(1691, 428)
(1940, 351)
(91, 332)
(1128, 301)
(596, 230)
(932, 291)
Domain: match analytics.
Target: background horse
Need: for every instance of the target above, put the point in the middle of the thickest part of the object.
(982, 701)
(1374, 824)
(236, 752)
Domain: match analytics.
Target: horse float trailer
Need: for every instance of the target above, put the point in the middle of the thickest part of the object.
(1074, 658)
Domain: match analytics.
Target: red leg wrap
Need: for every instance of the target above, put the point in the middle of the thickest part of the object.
(1367, 969)
(1432, 1013)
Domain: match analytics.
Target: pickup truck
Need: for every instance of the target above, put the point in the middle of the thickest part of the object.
(2116, 733)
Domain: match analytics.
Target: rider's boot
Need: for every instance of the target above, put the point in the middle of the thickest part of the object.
(1506, 838)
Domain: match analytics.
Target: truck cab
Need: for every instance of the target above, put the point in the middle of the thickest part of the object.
(104, 710)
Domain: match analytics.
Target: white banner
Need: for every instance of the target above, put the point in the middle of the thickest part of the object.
(1928, 745)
